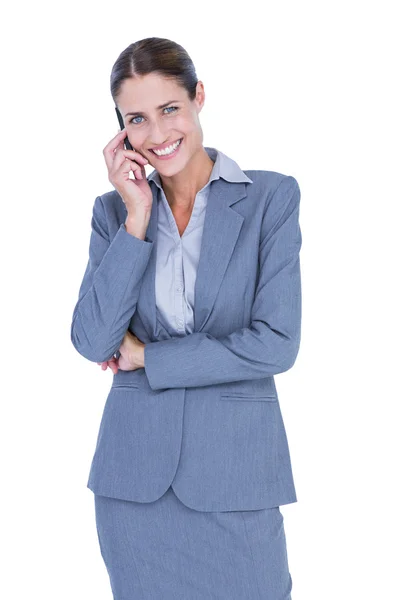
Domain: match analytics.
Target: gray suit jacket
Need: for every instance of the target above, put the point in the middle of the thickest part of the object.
(203, 415)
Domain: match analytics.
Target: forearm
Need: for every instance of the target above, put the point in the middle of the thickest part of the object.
(200, 359)
(110, 288)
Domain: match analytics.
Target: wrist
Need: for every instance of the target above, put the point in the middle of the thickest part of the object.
(137, 226)
(137, 357)
(142, 355)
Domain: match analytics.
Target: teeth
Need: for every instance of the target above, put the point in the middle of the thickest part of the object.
(167, 150)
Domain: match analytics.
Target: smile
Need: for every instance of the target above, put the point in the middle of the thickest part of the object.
(169, 152)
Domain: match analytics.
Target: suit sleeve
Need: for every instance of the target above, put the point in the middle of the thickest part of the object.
(109, 290)
(270, 344)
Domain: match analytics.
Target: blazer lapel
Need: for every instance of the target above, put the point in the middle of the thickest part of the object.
(221, 230)
(147, 299)
(222, 226)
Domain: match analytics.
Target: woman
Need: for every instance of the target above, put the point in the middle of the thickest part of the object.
(192, 297)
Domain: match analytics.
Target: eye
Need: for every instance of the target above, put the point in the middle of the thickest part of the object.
(175, 108)
(132, 120)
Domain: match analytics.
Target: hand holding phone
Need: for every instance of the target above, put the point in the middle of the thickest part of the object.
(128, 145)
(135, 193)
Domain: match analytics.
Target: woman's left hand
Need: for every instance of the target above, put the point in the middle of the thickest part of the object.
(132, 355)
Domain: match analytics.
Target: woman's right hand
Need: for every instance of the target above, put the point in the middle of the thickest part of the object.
(128, 359)
(135, 193)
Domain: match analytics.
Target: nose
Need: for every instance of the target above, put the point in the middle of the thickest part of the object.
(158, 136)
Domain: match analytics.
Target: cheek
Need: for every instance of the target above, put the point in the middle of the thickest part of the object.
(137, 138)
(186, 125)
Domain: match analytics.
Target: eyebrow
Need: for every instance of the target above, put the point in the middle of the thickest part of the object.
(158, 108)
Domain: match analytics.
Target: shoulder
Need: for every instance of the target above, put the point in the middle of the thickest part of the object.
(109, 212)
(272, 189)
(110, 201)
(269, 181)
(110, 204)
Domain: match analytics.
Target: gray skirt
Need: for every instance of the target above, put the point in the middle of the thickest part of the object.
(164, 550)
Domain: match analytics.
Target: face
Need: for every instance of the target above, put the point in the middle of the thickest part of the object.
(149, 125)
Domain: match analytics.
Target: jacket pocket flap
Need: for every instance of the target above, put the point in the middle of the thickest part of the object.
(268, 396)
(125, 386)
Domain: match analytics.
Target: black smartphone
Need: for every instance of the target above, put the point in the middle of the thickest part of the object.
(128, 145)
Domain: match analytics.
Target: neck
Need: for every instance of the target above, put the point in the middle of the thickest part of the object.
(181, 189)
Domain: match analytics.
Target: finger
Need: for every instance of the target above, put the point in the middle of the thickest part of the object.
(113, 365)
(117, 142)
(134, 154)
(127, 166)
(121, 154)
(129, 160)
(116, 145)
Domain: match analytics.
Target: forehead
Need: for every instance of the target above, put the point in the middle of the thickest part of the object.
(148, 92)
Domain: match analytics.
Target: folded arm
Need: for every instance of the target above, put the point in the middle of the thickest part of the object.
(270, 344)
(109, 290)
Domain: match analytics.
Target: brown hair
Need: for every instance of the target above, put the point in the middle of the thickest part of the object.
(154, 55)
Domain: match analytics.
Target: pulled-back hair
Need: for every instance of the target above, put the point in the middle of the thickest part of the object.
(154, 55)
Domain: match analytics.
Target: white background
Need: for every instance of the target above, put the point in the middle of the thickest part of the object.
(308, 89)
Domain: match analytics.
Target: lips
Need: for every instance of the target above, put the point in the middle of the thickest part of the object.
(169, 157)
(178, 140)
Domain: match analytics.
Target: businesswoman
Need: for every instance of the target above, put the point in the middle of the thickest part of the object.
(191, 295)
